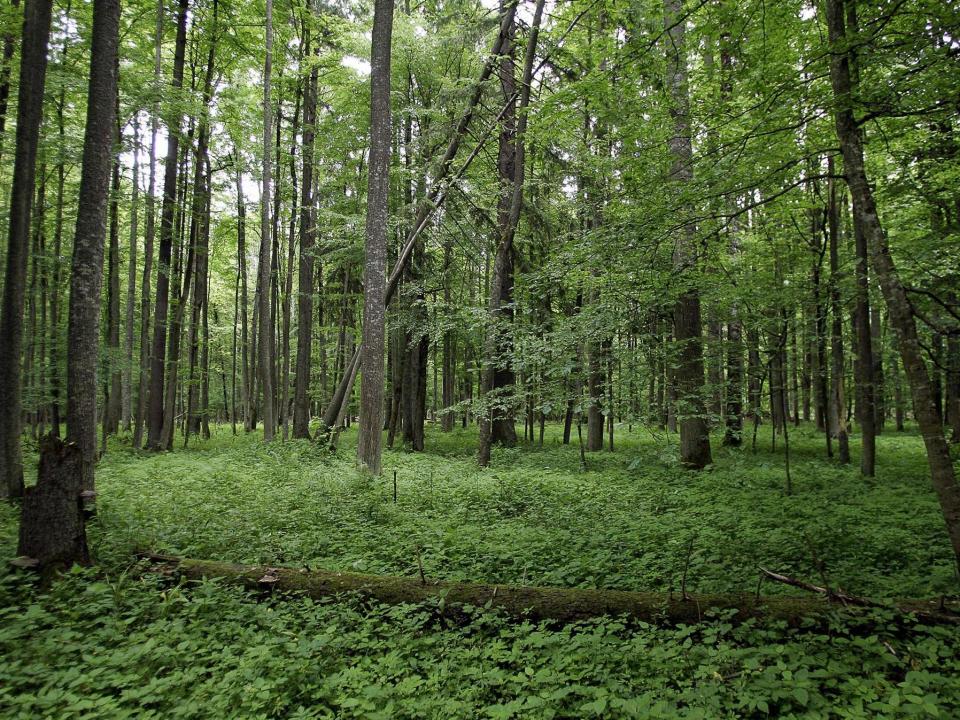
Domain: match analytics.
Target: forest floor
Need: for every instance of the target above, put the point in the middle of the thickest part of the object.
(111, 641)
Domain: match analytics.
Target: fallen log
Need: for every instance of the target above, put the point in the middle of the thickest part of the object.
(562, 605)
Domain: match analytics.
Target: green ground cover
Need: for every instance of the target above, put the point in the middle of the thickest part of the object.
(110, 642)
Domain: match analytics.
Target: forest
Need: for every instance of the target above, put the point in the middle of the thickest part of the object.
(480, 359)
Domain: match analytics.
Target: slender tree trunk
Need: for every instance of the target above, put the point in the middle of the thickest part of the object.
(112, 381)
(864, 369)
(837, 398)
(688, 376)
(879, 391)
(899, 309)
(301, 392)
(497, 425)
(200, 234)
(127, 377)
(265, 329)
(33, 69)
(158, 356)
(149, 236)
(375, 267)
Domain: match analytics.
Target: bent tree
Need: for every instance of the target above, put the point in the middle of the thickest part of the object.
(850, 135)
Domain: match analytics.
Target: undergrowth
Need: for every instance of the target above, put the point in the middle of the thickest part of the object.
(110, 642)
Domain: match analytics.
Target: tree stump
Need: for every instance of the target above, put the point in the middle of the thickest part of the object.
(52, 524)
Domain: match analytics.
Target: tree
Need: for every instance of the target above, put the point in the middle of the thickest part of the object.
(33, 71)
(265, 328)
(158, 356)
(899, 309)
(375, 266)
(687, 329)
(52, 525)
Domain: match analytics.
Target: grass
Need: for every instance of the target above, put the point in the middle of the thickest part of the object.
(106, 642)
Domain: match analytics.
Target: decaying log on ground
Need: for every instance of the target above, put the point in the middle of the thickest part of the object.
(537, 603)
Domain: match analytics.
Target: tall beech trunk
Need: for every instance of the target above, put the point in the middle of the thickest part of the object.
(837, 420)
(86, 269)
(168, 209)
(301, 390)
(899, 310)
(375, 267)
(688, 375)
(265, 328)
(33, 71)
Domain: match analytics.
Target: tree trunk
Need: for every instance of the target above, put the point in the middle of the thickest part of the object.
(52, 523)
(112, 399)
(556, 604)
(301, 392)
(496, 426)
(837, 420)
(149, 236)
(130, 315)
(171, 166)
(688, 375)
(375, 266)
(33, 69)
(865, 366)
(899, 309)
(86, 270)
(265, 329)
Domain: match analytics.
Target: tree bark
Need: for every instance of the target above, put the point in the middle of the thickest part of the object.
(52, 523)
(86, 270)
(375, 267)
(33, 69)
(899, 309)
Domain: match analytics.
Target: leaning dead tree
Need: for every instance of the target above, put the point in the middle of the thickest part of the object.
(434, 199)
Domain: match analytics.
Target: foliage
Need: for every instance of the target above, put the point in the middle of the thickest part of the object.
(111, 642)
